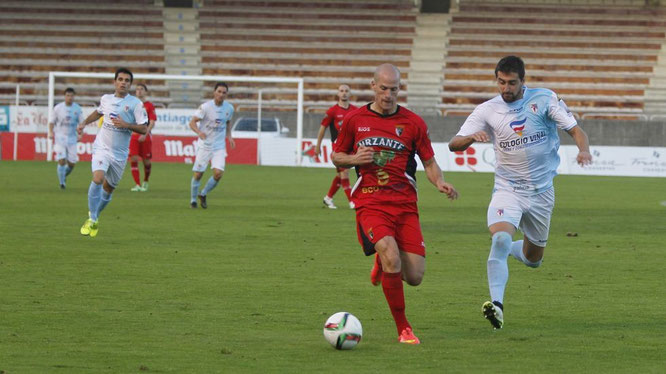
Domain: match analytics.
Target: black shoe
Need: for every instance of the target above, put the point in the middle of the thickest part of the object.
(62, 186)
(202, 201)
(193, 204)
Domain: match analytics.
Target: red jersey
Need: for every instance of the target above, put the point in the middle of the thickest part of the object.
(334, 117)
(150, 111)
(395, 139)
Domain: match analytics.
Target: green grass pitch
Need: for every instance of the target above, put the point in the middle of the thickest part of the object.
(246, 285)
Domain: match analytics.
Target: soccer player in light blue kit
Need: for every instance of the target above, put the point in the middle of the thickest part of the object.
(66, 116)
(522, 123)
(213, 117)
(123, 114)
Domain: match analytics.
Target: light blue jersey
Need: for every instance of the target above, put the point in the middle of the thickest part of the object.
(110, 138)
(525, 138)
(213, 123)
(65, 119)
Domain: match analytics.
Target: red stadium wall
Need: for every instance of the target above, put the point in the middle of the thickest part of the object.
(33, 146)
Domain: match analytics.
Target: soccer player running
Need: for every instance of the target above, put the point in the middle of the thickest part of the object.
(66, 116)
(523, 123)
(213, 117)
(123, 114)
(380, 140)
(141, 144)
(333, 121)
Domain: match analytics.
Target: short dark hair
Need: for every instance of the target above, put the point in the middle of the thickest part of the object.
(218, 84)
(70, 89)
(124, 71)
(143, 85)
(511, 64)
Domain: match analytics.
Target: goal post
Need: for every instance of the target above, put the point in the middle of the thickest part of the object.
(206, 78)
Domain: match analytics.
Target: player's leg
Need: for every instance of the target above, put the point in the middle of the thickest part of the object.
(111, 179)
(376, 233)
(344, 183)
(199, 167)
(217, 163)
(504, 215)
(328, 199)
(62, 172)
(72, 158)
(99, 164)
(134, 167)
(134, 162)
(535, 225)
(61, 156)
(146, 155)
(412, 247)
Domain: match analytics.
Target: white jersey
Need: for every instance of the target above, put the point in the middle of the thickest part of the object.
(110, 138)
(65, 119)
(525, 138)
(213, 123)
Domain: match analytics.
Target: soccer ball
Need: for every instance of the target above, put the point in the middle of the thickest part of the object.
(343, 330)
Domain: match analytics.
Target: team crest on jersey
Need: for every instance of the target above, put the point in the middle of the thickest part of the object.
(500, 212)
(399, 129)
(518, 126)
(127, 108)
(534, 108)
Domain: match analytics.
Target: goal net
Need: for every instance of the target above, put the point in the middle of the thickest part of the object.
(256, 99)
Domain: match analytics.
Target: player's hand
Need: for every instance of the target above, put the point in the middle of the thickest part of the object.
(480, 136)
(119, 123)
(49, 135)
(142, 138)
(318, 150)
(584, 158)
(79, 128)
(448, 189)
(202, 136)
(232, 143)
(363, 155)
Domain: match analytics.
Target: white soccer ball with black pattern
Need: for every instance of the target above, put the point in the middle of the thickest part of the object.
(343, 330)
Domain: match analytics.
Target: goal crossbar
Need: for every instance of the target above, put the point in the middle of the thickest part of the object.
(168, 77)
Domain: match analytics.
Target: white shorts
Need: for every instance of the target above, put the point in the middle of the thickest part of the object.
(65, 151)
(529, 213)
(113, 168)
(217, 159)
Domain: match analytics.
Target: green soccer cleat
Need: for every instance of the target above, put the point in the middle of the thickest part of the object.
(144, 187)
(94, 227)
(136, 188)
(85, 229)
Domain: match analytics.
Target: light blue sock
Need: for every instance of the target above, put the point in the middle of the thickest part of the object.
(104, 201)
(94, 196)
(498, 270)
(61, 173)
(68, 170)
(209, 186)
(194, 189)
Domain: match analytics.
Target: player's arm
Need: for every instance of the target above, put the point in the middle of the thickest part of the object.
(460, 143)
(582, 142)
(49, 135)
(435, 176)
(363, 155)
(232, 142)
(320, 136)
(195, 128)
(92, 117)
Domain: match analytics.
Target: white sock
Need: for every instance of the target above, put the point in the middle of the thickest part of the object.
(498, 269)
